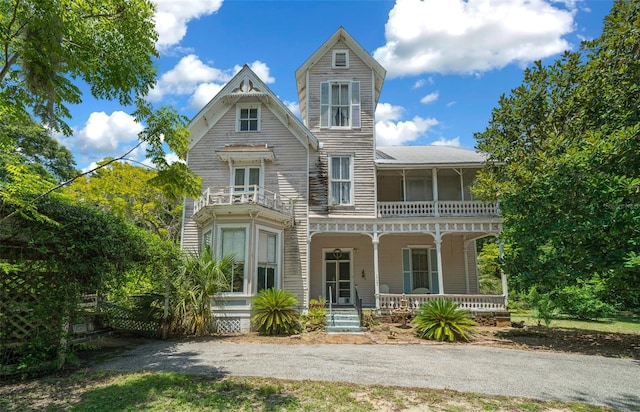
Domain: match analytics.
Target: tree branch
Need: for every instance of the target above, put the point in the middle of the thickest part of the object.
(58, 186)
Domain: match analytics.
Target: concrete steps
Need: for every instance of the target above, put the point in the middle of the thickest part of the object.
(343, 320)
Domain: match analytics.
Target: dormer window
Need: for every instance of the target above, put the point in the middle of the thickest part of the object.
(248, 118)
(340, 59)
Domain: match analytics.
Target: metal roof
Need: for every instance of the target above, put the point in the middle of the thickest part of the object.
(391, 156)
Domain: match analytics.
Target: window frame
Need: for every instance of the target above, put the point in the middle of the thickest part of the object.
(246, 186)
(333, 180)
(278, 257)
(431, 270)
(346, 58)
(239, 119)
(354, 104)
(220, 247)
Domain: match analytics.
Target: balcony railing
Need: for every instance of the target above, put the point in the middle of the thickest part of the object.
(229, 195)
(388, 302)
(438, 208)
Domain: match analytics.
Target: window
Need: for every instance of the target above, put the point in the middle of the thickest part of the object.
(207, 241)
(267, 260)
(248, 118)
(420, 269)
(340, 180)
(234, 243)
(246, 179)
(340, 104)
(340, 59)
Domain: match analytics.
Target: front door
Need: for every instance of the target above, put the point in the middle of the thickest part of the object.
(337, 267)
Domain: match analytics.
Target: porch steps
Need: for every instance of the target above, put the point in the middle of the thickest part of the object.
(343, 320)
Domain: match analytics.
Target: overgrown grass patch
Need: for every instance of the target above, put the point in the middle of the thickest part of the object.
(621, 323)
(144, 391)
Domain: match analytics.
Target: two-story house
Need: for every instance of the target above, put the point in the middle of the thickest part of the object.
(313, 206)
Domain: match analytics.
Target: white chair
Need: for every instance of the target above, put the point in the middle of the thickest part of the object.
(420, 291)
(384, 288)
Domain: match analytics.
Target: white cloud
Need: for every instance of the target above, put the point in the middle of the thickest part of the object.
(390, 132)
(458, 36)
(260, 69)
(173, 16)
(451, 103)
(447, 142)
(203, 94)
(293, 106)
(104, 133)
(430, 98)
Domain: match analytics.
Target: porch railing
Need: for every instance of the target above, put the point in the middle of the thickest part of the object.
(438, 208)
(475, 303)
(229, 195)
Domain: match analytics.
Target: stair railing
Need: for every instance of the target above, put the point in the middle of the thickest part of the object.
(333, 322)
(358, 305)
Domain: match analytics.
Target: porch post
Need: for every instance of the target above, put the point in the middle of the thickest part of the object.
(434, 181)
(438, 242)
(503, 277)
(466, 263)
(376, 274)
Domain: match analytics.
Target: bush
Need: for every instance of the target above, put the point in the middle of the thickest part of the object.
(316, 318)
(274, 312)
(441, 320)
(583, 301)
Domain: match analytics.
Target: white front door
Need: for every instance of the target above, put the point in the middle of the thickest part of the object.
(337, 271)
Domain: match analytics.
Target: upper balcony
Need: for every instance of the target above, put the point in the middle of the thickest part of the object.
(438, 208)
(229, 200)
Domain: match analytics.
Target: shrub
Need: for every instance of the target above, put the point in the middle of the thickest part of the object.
(442, 319)
(274, 312)
(316, 318)
(583, 301)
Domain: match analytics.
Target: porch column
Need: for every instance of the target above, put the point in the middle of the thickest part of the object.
(434, 184)
(438, 242)
(503, 277)
(466, 264)
(376, 274)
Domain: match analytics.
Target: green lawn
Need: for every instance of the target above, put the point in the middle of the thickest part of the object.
(93, 391)
(622, 323)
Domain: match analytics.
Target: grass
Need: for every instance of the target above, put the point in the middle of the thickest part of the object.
(102, 391)
(622, 323)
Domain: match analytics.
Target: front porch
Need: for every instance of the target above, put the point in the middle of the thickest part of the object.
(388, 302)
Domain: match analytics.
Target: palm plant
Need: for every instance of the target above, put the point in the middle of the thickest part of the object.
(274, 312)
(201, 277)
(442, 319)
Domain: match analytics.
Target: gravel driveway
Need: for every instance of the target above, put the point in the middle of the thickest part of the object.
(544, 375)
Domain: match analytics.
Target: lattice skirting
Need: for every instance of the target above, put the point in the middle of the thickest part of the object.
(228, 325)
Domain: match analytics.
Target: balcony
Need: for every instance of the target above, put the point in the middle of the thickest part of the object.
(443, 208)
(229, 200)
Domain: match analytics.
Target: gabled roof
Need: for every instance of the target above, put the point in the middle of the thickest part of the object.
(341, 34)
(422, 156)
(247, 83)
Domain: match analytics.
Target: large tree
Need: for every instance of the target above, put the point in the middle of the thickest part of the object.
(564, 158)
(49, 49)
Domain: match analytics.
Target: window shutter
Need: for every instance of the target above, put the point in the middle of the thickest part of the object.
(406, 270)
(324, 104)
(355, 105)
(434, 271)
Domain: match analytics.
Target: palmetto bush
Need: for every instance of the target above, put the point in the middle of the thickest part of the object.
(274, 312)
(201, 277)
(442, 319)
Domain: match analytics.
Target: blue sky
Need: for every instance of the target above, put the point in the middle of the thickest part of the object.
(447, 61)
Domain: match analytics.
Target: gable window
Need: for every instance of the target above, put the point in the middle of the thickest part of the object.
(341, 180)
(340, 59)
(233, 242)
(248, 118)
(246, 179)
(340, 104)
(267, 260)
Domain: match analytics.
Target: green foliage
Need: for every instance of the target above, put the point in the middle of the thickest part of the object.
(201, 277)
(316, 317)
(564, 158)
(274, 312)
(584, 300)
(544, 310)
(489, 271)
(441, 320)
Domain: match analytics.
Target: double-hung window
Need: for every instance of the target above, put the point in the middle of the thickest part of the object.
(340, 104)
(246, 179)
(341, 180)
(420, 269)
(248, 118)
(233, 242)
(267, 260)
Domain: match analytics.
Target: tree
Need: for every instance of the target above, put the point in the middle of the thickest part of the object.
(49, 46)
(564, 158)
(128, 192)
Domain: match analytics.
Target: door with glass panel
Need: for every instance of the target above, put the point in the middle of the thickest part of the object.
(337, 266)
(246, 181)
